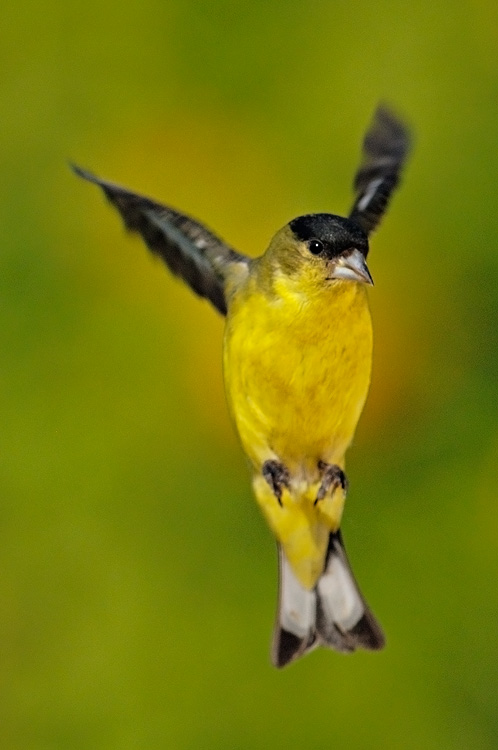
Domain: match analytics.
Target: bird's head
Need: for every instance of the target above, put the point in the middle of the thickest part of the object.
(324, 247)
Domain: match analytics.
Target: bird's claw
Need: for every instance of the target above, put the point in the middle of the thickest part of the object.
(277, 476)
(332, 476)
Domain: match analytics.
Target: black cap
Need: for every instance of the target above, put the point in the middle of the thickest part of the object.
(335, 232)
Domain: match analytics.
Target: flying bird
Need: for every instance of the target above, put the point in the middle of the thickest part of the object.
(297, 359)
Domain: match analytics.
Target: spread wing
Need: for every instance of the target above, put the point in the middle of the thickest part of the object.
(385, 149)
(189, 249)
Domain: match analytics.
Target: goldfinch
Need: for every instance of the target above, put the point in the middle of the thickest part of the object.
(297, 359)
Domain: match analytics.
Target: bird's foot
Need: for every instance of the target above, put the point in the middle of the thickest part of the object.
(277, 476)
(332, 476)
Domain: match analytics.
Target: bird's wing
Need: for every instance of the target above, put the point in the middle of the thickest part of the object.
(189, 249)
(385, 148)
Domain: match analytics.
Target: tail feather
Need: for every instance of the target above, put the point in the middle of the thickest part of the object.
(344, 620)
(295, 630)
(334, 614)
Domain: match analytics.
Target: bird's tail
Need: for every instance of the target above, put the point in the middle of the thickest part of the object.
(333, 614)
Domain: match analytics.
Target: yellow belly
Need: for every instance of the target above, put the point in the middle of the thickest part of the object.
(297, 375)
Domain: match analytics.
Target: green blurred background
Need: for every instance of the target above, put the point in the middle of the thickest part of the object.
(137, 579)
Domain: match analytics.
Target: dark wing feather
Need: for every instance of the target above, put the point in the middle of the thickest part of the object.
(385, 148)
(189, 249)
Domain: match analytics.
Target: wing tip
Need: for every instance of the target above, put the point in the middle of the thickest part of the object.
(390, 114)
(85, 174)
(386, 146)
(393, 126)
(110, 189)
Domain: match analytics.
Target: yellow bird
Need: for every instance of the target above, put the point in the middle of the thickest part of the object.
(297, 361)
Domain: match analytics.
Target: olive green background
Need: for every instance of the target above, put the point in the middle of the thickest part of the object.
(137, 579)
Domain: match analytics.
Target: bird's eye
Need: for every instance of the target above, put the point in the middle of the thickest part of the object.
(315, 247)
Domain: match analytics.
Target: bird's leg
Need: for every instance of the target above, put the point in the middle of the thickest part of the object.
(277, 476)
(332, 476)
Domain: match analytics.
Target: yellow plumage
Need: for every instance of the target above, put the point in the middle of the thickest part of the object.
(297, 361)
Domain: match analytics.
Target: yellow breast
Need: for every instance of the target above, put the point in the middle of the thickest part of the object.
(297, 369)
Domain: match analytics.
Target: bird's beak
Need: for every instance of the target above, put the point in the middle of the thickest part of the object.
(352, 266)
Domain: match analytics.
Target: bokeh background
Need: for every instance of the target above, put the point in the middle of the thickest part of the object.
(137, 579)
